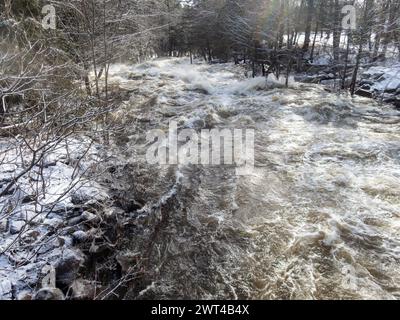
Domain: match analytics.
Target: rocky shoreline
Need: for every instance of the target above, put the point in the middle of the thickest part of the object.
(40, 234)
(377, 81)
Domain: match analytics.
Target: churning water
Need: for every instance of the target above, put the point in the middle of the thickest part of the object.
(319, 218)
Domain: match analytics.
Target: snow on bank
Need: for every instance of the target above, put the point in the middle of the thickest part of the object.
(387, 79)
(383, 82)
(42, 215)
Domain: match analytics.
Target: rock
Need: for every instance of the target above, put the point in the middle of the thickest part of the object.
(83, 290)
(24, 296)
(86, 193)
(218, 61)
(391, 90)
(76, 212)
(136, 77)
(53, 222)
(60, 209)
(80, 236)
(90, 217)
(395, 100)
(328, 82)
(31, 236)
(65, 241)
(28, 199)
(75, 220)
(113, 213)
(16, 226)
(49, 294)
(379, 76)
(84, 217)
(68, 266)
(363, 93)
(366, 82)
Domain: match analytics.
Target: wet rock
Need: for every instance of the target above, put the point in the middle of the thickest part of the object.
(53, 223)
(75, 212)
(24, 296)
(48, 246)
(80, 236)
(379, 76)
(395, 100)
(10, 192)
(90, 217)
(201, 90)
(328, 82)
(113, 212)
(68, 266)
(364, 93)
(83, 290)
(391, 90)
(134, 76)
(366, 87)
(65, 241)
(28, 199)
(75, 220)
(86, 216)
(87, 193)
(60, 209)
(366, 80)
(4, 180)
(49, 294)
(31, 236)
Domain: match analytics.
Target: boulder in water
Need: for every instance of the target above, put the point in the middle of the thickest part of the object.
(68, 266)
(83, 290)
(49, 294)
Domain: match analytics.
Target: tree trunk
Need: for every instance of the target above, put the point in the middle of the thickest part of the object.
(336, 32)
(309, 17)
(355, 73)
(7, 8)
(314, 41)
(346, 62)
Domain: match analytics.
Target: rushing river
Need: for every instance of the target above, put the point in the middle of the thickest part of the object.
(319, 217)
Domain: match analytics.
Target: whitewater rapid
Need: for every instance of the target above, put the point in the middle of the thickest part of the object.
(319, 218)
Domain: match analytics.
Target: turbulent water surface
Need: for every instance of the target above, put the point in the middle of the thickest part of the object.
(319, 218)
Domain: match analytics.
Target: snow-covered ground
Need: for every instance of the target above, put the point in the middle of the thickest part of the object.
(383, 81)
(43, 214)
